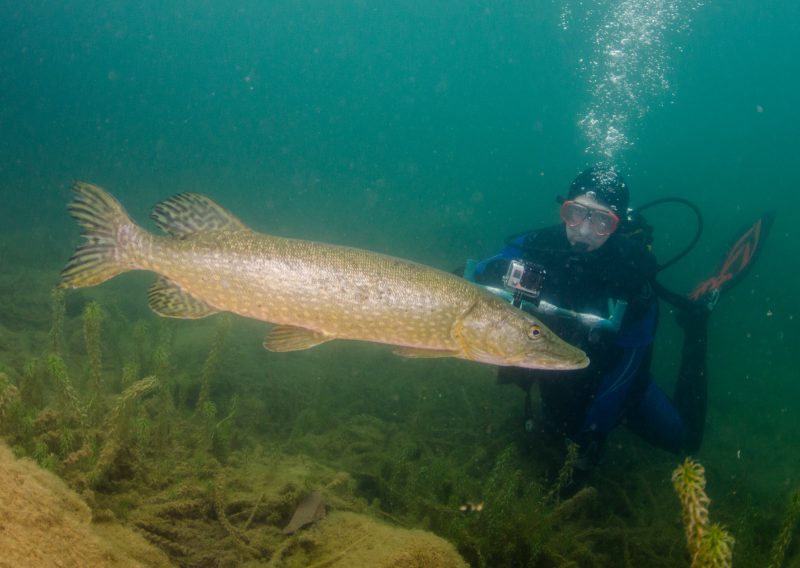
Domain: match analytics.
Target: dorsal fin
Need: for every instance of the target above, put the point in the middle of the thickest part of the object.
(189, 213)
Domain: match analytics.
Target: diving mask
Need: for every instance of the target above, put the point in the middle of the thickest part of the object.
(601, 221)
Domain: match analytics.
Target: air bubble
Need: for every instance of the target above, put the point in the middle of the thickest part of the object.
(627, 72)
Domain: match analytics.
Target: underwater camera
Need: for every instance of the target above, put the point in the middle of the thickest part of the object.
(524, 278)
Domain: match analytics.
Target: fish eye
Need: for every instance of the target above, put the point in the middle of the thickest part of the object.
(534, 332)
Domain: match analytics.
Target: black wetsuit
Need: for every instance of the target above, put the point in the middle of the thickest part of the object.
(587, 404)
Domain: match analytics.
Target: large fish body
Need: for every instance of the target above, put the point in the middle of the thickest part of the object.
(211, 262)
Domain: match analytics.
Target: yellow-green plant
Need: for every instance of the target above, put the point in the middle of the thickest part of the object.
(44, 457)
(709, 545)
(715, 549)
(162, 369)
(787, 529)
(161, 355)
(66, 442)
(210, 364)
(130, 371)
(116, 424)
(58, 310)
(221, 434)
(566, 472)
(9, 397)
(241, 540)
(142, 430)
(31, 386)
(142, 344)
(92, 322)
(69, 396)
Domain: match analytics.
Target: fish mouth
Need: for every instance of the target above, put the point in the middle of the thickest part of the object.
(580, 362)
(568, 357)
(572, 361)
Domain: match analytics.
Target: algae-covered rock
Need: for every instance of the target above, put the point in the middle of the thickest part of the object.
(351, 539)
(44, 523)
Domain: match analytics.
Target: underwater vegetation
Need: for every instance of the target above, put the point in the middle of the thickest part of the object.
(210, 450)
(709, 544)
(47, 524)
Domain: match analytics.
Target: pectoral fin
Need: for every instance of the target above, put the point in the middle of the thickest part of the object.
(418, 353)
(291, 338)
(168, 299)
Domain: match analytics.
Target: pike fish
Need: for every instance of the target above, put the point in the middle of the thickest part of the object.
(211, 262)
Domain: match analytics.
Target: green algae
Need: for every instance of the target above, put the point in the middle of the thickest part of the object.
(205, 443)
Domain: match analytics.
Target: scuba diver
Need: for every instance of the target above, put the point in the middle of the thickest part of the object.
(592, 280)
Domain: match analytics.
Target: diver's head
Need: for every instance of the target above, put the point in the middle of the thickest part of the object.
(596, 202)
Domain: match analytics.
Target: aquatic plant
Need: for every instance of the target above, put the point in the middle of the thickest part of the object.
(434, 454)
(142, 430)
(66, 442)
(162, 366)
(139, 356)
(207, 410)
(690, 482)
(210, 364)
(715, 549)
(163, 370)
(565, 474)
(58, 309)
(69, 396)
(222, 434)
(44, 457)
(512, 501)
(130, 372)
(784, 539)
(116, 424)
(92, 322)
(9, 399)
(241, 539)
(709, 545)
(31, 387)
(142, 345)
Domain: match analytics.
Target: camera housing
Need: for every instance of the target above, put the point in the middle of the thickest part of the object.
(525, 278)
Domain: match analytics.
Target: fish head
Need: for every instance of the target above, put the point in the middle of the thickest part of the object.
(497, 333)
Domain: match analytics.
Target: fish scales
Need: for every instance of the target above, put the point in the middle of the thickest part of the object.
(313, 292)
(339, 291)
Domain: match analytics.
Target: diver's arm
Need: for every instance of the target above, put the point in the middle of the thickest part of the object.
(490, 271)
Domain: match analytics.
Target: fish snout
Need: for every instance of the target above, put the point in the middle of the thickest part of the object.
(570, 357)
(564, 357)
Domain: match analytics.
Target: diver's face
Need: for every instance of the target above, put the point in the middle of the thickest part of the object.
(583, 230)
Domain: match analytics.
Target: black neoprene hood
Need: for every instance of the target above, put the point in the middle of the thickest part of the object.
(606, 186)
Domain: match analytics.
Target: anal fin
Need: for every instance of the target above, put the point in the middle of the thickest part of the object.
(292, 338)
(168, 299)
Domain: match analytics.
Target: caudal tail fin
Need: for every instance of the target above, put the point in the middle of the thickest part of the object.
(107, 229)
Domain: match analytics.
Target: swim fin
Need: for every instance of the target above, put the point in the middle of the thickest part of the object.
(740, 258)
